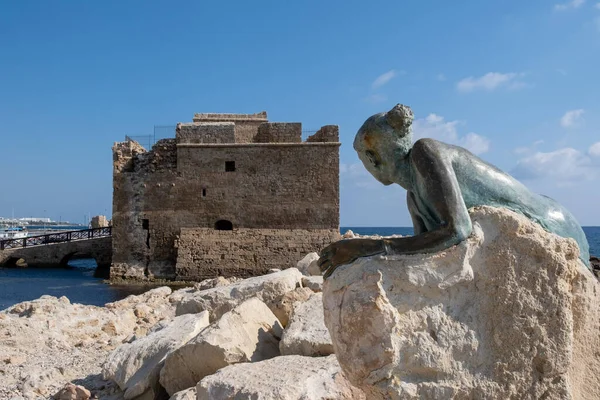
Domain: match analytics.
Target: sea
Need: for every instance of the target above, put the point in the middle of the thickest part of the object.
(78, 283)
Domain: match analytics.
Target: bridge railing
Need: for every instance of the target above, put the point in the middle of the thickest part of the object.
(53, 238)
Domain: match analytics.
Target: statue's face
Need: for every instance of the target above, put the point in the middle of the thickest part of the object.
(380, 146)
(377, 165)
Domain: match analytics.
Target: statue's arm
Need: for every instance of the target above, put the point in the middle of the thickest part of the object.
(418, 223)
(437, 186)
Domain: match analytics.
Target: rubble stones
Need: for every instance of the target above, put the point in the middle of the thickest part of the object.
(248, 333)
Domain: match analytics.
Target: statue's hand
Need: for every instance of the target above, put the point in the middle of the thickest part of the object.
(346, 251)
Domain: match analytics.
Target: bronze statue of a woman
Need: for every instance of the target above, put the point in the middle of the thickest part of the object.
(443, 181)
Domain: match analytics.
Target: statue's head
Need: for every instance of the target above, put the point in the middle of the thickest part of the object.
(384, 139)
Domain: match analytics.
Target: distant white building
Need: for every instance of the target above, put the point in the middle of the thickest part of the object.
(33, 219)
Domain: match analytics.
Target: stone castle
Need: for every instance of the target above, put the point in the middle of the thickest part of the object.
(231, 195)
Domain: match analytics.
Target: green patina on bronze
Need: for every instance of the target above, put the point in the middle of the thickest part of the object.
(443, 181)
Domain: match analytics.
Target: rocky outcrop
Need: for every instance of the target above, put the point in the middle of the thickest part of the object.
(48, 342)
(306, 334)
(509, 313)
(248, 333)
(282, 378)
(136, 366)
(219, 300)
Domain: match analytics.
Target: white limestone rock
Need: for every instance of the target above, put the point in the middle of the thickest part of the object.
(250, 332)
(509, 313)
(303, 264)
(188, 394)
(281, 378)
(219, 300)
(283, 307)
(72, 392)
(306, 334)
(47, 342)
(136, 366)
(314, 283)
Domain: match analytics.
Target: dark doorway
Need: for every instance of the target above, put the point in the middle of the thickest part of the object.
(229, 166)
(223, 225)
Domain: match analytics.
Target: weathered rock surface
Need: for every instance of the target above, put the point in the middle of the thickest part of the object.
(509, 313)
(282, 378)
(306, 261)
(595, 264)
(306, 334)
(136, 366)
(219, 300)
(188, 394)
(49, 342)
(314, 283)
(72, 392)
(249, 332)
(283, 307)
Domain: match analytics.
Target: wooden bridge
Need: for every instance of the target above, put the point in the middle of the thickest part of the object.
(56, 249)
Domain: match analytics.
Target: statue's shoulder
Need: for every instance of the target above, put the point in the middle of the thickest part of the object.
(428, 147)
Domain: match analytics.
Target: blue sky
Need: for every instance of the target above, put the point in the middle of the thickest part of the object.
(514, 81)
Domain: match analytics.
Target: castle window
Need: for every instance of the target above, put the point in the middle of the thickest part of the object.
(229, 166)
(223, 225)
(145, 224)
(204, 192)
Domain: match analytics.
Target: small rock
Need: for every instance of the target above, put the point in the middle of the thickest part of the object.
(284, 306)
(313, 269)
(348, 235)
(314, 283)
(72, 392)
(188, 394)
(303, 264)
(212, 283)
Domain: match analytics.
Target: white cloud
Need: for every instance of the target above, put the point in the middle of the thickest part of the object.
(572, 118)
(434, 126)
(569, 5)
(597, 6)
(563, 166)
(491, 81)
(594, 150)
(527, 150)
(383, 79)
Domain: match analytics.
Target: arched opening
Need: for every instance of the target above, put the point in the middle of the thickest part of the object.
(223, 225)
(15, 262)
(79, 260)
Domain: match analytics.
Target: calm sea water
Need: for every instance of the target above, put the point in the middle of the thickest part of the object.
(80, 286)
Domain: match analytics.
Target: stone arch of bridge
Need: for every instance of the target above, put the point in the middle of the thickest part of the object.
(64, 262)
(16, 261)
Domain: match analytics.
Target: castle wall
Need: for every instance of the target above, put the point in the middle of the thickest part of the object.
(188, 183)
(205, 253)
